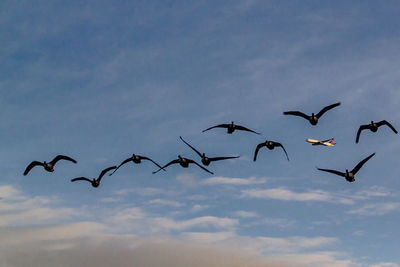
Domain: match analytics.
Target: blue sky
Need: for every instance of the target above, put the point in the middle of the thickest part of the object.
(100, 81)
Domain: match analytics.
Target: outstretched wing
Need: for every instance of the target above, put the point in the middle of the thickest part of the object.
(165, 166)
(296, 113)
(217, 126)
(146, 158)
(192, 161)
(284, 150)
(31, 165)
(362, 127)
(60, 157)
(238, 127)
(81, 179)
(325, 109)
(105, 171)
(258, 148)
(198, 153)
(333, 171)
(223, 158)
(361, 163)
(122, 163)
(388, 124)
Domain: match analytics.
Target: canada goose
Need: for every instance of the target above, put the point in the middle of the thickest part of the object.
(231, 128)
(184, 162)
(136, 159)
(94, 182)
(206, 160)
(313, 119)
(270, 145)
(349, 175)
(373, 126)
(48, 166)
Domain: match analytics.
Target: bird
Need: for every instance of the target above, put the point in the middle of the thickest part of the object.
(313, 119)
(95, 182)
(136, 159)
(231, 127)
(48, 166)
(349, 175)
(373, 126)
(206, 160)
(184, 162)
(270, 145)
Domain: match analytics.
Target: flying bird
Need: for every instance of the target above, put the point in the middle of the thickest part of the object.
(270, 145)
(94, 182)
(349, 175)
(206, 160)
(313, 119)
(373, 126)
(136, 159)
(231, 127)
(184, 162)
(48, 166)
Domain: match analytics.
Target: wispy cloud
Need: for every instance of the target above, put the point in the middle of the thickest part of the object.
(377, 209)
(166, 202)
(245, 214)
(233, 181)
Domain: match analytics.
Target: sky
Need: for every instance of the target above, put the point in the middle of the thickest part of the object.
(98, 81)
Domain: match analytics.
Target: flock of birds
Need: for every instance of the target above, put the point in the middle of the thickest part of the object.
(231, 127)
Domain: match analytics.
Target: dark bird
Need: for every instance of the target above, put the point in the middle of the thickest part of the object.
(231, 128)
(136, 159)
(184, 162)
(48, 166)
(206, 160)
(313, 119)
(95, 182)
(270, 145)
(349, 176)
(373, 126)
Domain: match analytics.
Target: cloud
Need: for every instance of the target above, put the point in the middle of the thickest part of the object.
(376, 209)
(197, 208)
(233, 181)
(245, 214)
(165, 202)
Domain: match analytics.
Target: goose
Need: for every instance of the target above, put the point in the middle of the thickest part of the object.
(231, 127)
(373, 126)
(136, 159)
(95, 182)
(206, 160)
(349, 175)
(270, 145)
(184, 162)
(48, 166)
(313, 119)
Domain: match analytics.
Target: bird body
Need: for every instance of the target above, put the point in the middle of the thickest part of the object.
(94, 182)
(231, 127)
(184, 162)
(136, 159)
(313, 119)
(48, 166)
(373, 127)
(270, 145)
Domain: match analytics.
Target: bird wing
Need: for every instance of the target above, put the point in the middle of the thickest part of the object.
(297, 113)
(284, 150)
(223, 158)
(105, 171)
(165, 166)
(217, 126)
(146, 158)
(388, 124)
(190, 146)
(192, 161)
(81, 179)
(31, 165)
(361, 163)
(362, 127)
(258, 148)
(238, 127)
(325, 109)
(60, 157)
(122, 163)
(333, 171)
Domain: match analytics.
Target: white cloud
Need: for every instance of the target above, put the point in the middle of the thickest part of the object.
(165, 202)
(197, 208)
(376, 208)
(385, 264)
(233, 181)
(186, 179)
(245, 214)
(204, 222)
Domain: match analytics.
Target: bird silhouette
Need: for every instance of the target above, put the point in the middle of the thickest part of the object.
(204, 159)
(313, 119)
(270, 145)
(48, 166)
(373, 126)
(136, 159)
(349, 175)
(231, 127)
(94, 182)
(184, 162)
